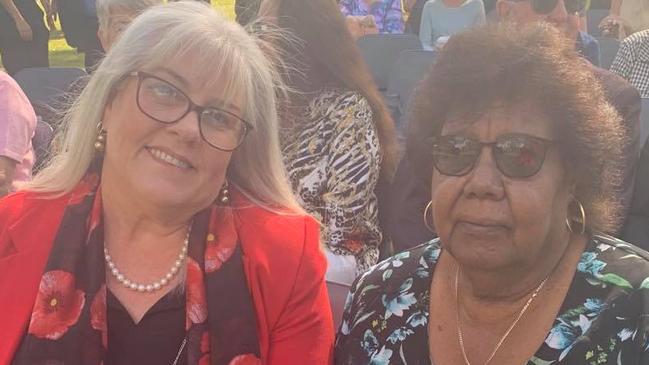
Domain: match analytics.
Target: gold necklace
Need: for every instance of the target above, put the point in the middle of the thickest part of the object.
(460, 335)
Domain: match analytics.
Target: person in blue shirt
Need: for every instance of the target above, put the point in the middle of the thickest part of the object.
(387, 14)
(443, 18)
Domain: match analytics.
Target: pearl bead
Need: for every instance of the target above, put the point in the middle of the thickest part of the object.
(156, 285)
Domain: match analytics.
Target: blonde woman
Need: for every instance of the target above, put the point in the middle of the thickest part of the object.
(163, 230)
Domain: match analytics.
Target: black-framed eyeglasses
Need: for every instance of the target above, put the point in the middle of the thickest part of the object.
(163, 102)
(517, 156)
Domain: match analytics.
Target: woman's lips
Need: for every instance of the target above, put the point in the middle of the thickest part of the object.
(482, 228)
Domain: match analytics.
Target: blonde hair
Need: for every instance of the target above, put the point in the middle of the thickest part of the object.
(104, 8)
(226, 56)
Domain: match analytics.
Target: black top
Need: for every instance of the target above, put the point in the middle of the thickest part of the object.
(155, 340)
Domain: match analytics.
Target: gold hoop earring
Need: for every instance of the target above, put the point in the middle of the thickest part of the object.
(100, 142)
(428, 206)
(224, 194)
(581, 220)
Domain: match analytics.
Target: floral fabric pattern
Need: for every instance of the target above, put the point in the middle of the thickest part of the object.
(604, 318)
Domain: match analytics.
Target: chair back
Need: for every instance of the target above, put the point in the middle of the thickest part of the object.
(408, 71)
(381, 51)
(45, 87)
(608, 50)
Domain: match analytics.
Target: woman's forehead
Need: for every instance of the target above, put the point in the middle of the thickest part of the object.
(500, 118)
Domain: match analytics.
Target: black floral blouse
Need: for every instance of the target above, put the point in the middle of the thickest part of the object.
(604, 318)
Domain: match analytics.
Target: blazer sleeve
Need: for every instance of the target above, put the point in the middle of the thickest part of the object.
(304, 333)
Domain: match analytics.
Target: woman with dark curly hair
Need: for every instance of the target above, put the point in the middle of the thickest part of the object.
(522, 151)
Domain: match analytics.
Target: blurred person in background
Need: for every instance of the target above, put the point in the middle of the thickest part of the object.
(414, 8)
(444, 18)
(626, 17)
(166, 210)
(17, 126)
(585, 43)
(23, 35)
(115, 15)
(632, 61)
(79, 25)
(337, 135)
(387, 15)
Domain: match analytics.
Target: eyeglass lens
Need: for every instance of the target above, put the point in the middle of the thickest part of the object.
(165, 103)
(516, 156)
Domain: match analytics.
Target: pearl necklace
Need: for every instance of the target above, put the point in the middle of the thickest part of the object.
(156, 285)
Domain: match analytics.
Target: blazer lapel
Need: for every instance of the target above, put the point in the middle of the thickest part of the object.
(20, 272)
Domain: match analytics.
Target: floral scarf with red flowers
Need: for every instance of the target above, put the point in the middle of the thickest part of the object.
(68, 323)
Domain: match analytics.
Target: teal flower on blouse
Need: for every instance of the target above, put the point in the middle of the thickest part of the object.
(401, 302)
(590, 264)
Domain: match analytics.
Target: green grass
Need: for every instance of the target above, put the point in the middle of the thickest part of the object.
(62, 55)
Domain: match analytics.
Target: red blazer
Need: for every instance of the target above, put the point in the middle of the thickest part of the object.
(282, 259)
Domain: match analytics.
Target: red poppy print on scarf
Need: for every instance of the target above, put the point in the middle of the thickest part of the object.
(58, 305)
(218, 251)
(220, 247)
(247, 359)
(196, 299)
(205, 349)
(98, 315)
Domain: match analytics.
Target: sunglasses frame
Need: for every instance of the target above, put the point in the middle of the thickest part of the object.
(545, 143)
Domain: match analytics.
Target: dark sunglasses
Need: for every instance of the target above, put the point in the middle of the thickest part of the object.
(517, 155)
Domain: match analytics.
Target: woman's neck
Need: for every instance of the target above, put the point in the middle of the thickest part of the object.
(130, 221)
(483, 288)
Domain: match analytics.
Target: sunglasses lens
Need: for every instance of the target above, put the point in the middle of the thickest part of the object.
(455, 155)
(519, 156)
(544, 6)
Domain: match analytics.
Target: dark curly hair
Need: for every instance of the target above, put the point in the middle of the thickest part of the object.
(500, 64)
